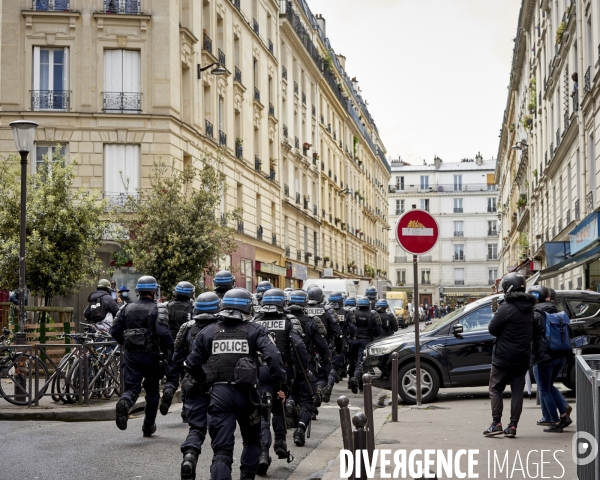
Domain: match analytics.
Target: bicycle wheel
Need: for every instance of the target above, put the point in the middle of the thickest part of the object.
(112, 386)
(14, 378)
(63, 386)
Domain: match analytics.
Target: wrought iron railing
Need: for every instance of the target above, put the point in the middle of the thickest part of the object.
(425, 258)
(221, 57)
(236, 4)
(459, 234)
(288, 252)
(237, 75)
(271, 109)
(296, 142)
(122, 101)
(304, 98)
(120, 199)
(52, 5)
(259, 232)
(306, 204)
(458, 210)
(222, 138)
(587, 80)
(285, 131)
(208, 129)
(50, 99)
(255, 26)
(299, 255)
(286, 190)
(206, 43)
(400, 259)
(128, 7)
(459, 282)
(576, 209)
(257, 164)
(256, 94)
(458, 258)
(239, 151)
(492, 233)
(493, 256)
(240, 226)
(315, 210)
(314, 111)
(298, 198)
(296, 88)
(568, 218)
(271, 175)
(274, 239)
(270, 44)
(284, 73)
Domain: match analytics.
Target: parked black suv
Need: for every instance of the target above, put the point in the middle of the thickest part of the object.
(453, 359)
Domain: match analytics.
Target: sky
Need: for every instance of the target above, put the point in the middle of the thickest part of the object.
(434, 72)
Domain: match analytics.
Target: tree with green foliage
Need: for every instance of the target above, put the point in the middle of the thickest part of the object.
(173, 230)
(65, 226)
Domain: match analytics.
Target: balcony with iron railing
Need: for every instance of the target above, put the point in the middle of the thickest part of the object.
(256, 95)
(492, 209)
(123, 7)
(315, 210)
(493, 256)
(458, 210)
(236, 4)
(259, 232)
(314, 111)
(492, 233)
(270, 45)
(274, 239)
(206, 43)
(239, 151)
(121, 102)
(284, 73)
(458, 258)
(296, 88)
(122, 200)
(306, 204)
(288, 252)
(285, 131)
(271, 109)
(208, 129)
(296, 143)
(459, 233)
(237, 75)
(240, 226)
(299, 255)
(50, 100)
(221, 57)
(425, 282)
(51, 5)
(222, 138)
(298, 198)
(257, 163)
(459, 282)
(587, 80)
(400, 259)
(255, 26)
(304, 98)
(271, 176)
(576, 210)
(425, 258)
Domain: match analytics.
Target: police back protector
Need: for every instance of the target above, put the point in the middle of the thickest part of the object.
(140, 331)
(364, 323)
(279, 326)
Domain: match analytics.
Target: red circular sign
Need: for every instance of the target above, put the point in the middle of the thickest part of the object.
(417, 232)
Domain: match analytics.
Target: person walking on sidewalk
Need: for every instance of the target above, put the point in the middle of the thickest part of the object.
(512, 326)
(548, 363)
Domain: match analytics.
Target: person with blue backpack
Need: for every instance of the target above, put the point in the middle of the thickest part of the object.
(550, 348)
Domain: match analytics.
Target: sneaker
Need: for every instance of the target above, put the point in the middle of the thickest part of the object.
(165, 401)
(148, 431)
(554, 428)
(510, 431)
(122, 414)
(542, 422)
(565, 421)
(494, 429)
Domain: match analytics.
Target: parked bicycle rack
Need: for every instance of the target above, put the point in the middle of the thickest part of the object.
(585, 450)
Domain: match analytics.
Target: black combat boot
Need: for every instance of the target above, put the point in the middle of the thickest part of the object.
(264, 461)
(353, 384)
(165, 401)
(122, 414)
(300, 436)
(280, 448)
(148, 431)
(290, 414)
(184, 418)
(326, 393)
(188, 466)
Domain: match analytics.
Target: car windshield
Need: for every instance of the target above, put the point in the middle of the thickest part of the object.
(441, 321)
(395, 303)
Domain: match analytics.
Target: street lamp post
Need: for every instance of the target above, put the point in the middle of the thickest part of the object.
(24, 134)
(219, 70)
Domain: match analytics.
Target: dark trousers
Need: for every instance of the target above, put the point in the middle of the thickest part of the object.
(277, 417)
(501, 377)
(140, 369)
(196, 409)
(228, 405)
(551, 399)
(357, 351)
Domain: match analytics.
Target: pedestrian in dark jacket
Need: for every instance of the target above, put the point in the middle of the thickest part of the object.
(547, 366)
(512, 326)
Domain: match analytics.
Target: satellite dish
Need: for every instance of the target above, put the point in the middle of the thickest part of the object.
(440, 189)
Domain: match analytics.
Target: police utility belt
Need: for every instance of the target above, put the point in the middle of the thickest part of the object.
(139, 340)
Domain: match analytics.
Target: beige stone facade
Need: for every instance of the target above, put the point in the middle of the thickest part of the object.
(118, 85)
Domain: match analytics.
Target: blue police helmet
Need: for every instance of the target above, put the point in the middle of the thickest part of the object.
(298, 297)
(185, 289)
(335, 297)
(237, 299)
(146, 283)
(381, 303)
(207, 302)
(224, 278)
(274, 296)
(263, 286)
(371, 293)
(363, 302)
(350, 302)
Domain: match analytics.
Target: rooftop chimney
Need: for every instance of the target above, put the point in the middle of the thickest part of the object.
(321, 23)
(478, 158)
(437, 161)
(342, 60)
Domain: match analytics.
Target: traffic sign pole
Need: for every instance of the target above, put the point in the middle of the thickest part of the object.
(417, 232)
(417, 343)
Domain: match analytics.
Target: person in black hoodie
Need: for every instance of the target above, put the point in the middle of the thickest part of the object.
(548, 364)
(512, 326)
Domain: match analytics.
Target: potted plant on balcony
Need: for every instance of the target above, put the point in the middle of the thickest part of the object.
(521, 202)
(535, 172)
(325, 260)
(560, 31)
(315, 155)
(239, 140)
(528, 122)
(343, 225)
(306, 146)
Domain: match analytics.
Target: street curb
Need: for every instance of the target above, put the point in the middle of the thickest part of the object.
(75, 413)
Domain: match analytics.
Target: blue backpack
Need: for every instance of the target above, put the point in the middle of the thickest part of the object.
(558, 336)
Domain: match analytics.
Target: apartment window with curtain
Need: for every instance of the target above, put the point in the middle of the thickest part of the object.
(425, 204)
(49, 149)
(457, 182)
(459, 276)
(399, 207)
(424, 182)
(491, 205)
(121, 172)
(400, 277)
(458, 205)
(492, 228)
(122, 81)
(458, 229)
(492, 251)
(426, 277)
(50, 79)
(399, 183)
(492, 275)
(459, 253)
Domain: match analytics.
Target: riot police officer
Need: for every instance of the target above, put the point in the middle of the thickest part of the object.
(371, 294)
(223, 281)
(142, 328)
(180, 312)
(349, 307)
(325, 379)
(196, 398)
(261, 288)
(368, 327)
(305, 398)
(284, 329)
(389, 322)
(224, 355)
(347, 324)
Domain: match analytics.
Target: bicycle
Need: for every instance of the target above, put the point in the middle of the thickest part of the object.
(16, 369)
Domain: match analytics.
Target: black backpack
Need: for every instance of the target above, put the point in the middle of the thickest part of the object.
(96, 310)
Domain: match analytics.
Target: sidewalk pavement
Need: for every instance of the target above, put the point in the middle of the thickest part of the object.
(99, 409)
(456, 421)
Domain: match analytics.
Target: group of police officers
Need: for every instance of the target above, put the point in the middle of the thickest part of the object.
(261, 361)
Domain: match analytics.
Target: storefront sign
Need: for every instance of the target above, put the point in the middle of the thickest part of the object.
(585, 233)
(299, 272)
(270, 268)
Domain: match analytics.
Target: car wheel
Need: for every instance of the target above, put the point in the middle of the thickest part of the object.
(407, 379)
(570, 379)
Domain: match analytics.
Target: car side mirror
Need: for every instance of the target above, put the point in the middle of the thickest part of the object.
(457, 329)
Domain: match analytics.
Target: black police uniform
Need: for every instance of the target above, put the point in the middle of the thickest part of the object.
(225, 355)
(347, 325)
(304, 392)
(180, 312)
(142, 327)
(389, 322)
(368, 328)
(284, 329)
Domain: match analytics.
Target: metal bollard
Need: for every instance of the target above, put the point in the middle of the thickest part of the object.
(346, 426)
(395, 386)
(360, 443)
(368, 406)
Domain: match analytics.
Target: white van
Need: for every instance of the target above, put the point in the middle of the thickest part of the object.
(329, 285)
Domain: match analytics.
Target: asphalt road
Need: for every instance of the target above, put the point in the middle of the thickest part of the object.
(98, 450)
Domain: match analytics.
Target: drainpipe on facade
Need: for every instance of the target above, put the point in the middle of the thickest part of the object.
(582, 149)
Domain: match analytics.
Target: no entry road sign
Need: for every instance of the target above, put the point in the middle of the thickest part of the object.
(417, 232)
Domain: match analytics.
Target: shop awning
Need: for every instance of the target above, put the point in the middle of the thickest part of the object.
(571, 263)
